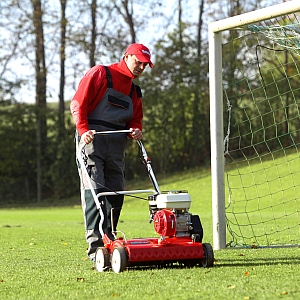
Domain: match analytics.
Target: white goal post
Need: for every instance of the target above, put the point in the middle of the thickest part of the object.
(216, 106)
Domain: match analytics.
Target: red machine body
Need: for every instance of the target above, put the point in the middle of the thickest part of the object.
(180, 232)
(180, 241)
(146, 251)
(165, 222)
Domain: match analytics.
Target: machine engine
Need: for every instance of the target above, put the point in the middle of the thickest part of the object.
(169, 213)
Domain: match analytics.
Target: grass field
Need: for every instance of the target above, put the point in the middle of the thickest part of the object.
(265, 194)
(43, 256)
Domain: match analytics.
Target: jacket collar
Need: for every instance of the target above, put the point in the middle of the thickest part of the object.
(122, 68)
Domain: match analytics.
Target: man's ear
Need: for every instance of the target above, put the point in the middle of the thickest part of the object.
(125, 56)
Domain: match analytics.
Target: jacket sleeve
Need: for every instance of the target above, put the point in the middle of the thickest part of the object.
(90, 90)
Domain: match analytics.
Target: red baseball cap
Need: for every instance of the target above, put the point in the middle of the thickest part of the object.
(141, 52)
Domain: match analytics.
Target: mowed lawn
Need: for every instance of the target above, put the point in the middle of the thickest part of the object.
(43, 256)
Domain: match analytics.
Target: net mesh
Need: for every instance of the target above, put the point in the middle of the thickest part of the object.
(261, 78)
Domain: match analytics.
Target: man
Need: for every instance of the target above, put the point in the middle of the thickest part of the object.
(107, 99)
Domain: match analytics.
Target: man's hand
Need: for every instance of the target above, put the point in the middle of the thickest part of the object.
(88, 136)
(136, 134)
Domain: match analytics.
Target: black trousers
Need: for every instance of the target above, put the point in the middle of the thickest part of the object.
(105, 163)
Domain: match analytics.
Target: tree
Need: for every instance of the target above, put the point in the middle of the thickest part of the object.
(61, 107)
(40, 88)
(17, 156)
(10, 80)
(125, 9)
(93, 32)
(200, 142)
(60, 40)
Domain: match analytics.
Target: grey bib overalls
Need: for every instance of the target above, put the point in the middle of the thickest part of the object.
(105, 159)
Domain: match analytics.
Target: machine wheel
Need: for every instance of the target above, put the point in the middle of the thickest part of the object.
(118, 260)
(208, 260)
(101, 259)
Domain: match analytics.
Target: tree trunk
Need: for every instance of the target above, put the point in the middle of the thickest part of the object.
(94, 33)
(40, 76)
(181, 100)
(61, 109)
(128, 17)
(199, 113)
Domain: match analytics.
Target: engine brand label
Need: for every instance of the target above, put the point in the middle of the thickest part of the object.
(139, 242)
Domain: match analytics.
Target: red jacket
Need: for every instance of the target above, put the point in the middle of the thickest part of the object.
(92, 88)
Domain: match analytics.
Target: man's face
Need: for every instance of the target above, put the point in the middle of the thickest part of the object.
(135, 66)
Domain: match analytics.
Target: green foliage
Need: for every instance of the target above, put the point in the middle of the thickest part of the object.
(19, 153)
(62, 176)
(176, 117)
(176, 126)
(176, 106)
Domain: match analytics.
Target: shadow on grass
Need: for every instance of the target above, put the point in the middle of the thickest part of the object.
(227, 263)
(293, 260)
(162, 266)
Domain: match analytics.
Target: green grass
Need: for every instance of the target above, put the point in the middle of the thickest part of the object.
(264, 191)
(43, 256)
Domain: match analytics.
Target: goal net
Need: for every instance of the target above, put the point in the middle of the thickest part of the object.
(255, 90)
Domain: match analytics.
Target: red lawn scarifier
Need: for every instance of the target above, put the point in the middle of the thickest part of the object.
(180, 232)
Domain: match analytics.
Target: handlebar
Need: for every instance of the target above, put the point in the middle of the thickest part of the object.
(146, 159)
